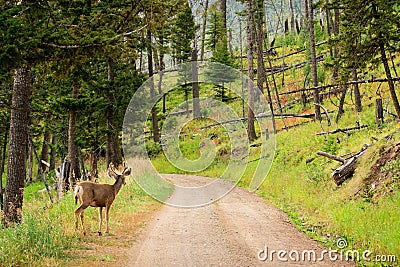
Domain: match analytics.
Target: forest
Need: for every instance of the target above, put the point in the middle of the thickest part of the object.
(327, 81)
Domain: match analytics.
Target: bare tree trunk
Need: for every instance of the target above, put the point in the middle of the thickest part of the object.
(321, 20)
(30, 165)
(313, 61)
(292, 21)
(230, 40)
(112, 144)
(44, 154)
(357, 95)
(2, 163)
(329, 24)
(72, 152)
(335, 73)
(94, 173)
(341, 105)
(389, 77)
(195, 85)
(53, 152)
(16, 171)
(259, 41)
(154, 119)
(241, 63)
(222, 6)
(250, 46)
(162, 67)
(203, 31)
(110, 157)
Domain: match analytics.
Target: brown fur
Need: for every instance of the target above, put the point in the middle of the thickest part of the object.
(98, 195)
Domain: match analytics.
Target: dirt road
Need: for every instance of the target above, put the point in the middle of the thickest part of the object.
(238, 230)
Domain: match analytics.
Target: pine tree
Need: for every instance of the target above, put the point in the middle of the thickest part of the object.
(368, 30)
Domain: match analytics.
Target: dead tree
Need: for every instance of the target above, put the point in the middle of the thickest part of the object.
(346, 170)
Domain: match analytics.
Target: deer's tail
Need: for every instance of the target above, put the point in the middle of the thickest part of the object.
(77, 193)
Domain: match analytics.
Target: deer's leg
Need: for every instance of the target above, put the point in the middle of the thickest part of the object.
(76, 219)
(100, 218)
(83, 227)
(80, 211)
(107, 210)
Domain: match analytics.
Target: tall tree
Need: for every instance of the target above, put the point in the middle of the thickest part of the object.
(313, 59)
(203, 31)
(72, 149)
(215, 30)
(222, 8)
(16, 171)
(251, 132)
(18, 52)
(113, 154)
(44, 154)
(154, 118)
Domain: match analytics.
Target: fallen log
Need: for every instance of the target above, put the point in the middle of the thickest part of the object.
(343, 130)
(346, 170)
(330, 156)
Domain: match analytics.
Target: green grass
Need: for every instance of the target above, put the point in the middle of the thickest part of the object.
(46, 235)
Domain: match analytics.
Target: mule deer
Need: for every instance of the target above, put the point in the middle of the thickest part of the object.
(98, 195)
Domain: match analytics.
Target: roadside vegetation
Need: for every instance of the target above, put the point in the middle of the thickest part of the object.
(47, 237)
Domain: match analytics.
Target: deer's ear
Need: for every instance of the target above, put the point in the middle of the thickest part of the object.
(127, 172)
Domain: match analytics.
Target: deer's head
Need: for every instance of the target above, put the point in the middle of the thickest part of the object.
(112, 172)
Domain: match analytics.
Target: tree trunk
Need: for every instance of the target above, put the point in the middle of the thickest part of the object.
(389, 77)
(154, 119)
(30, 165)
(94, 173)
(110, 157)
(357, 95)
(16, 171)
(53, 152)
(222, 7)
(195, 85)
(230, 42)
(162, 67)
(2, 163)
(335, 73)
(1, 180)
(250, 32)
(379, 111)
(259, 40)
(44, 155)
(313, 60)
(292, 21)
(341, 105)
(72, 152)
(112, 143)
(329, 21)
(203, 31)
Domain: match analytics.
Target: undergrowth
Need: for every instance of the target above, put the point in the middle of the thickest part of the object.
(46, 235)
